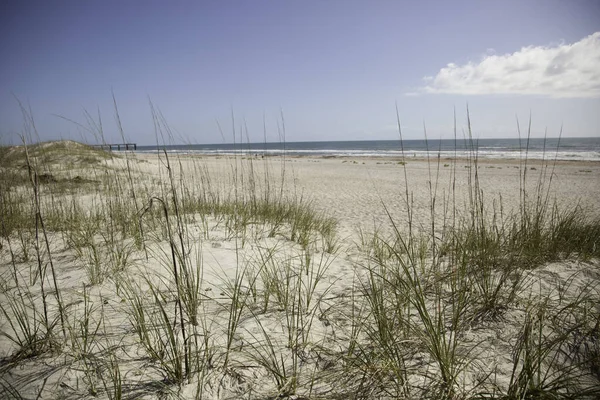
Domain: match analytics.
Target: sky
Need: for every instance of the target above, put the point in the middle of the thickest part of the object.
(331, 70)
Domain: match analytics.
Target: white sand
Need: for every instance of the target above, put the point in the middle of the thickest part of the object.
(356, 192)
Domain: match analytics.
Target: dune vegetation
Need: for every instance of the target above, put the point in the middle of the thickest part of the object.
(124, 276)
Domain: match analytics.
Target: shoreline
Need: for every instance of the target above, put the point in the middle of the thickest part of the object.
(381, 159)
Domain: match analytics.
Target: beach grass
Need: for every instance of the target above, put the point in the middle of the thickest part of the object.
(176, 280)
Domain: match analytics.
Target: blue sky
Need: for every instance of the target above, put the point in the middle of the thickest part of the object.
(335, 68)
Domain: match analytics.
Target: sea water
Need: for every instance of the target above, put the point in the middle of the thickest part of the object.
(582, 149)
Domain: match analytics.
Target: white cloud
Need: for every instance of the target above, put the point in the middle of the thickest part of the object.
(563, 70)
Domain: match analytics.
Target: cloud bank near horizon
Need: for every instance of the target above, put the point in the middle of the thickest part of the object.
(558, 71)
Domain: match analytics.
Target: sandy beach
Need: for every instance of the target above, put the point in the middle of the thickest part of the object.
(347, 278)
(355, 190)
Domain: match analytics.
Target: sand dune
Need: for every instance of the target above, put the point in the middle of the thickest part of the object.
(283, 304)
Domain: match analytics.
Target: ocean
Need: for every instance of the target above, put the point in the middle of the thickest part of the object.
(581, 149)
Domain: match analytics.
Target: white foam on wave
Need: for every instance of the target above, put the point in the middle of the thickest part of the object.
(499, 153)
